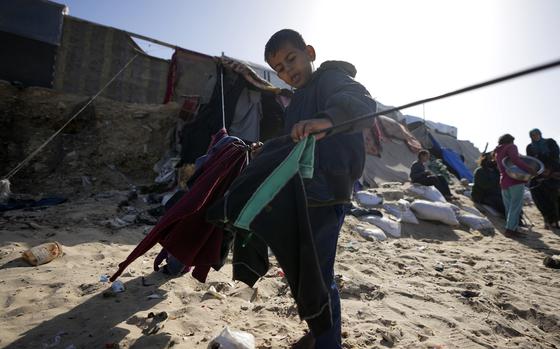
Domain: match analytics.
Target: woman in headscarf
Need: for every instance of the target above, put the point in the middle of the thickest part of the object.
(544, 189)
(512, 189)
(486, 185)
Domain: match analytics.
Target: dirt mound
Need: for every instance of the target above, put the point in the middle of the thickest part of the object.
(107, 146)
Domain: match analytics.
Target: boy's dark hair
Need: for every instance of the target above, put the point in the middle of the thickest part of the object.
(280, 38)
(423, 152)
(506, 139)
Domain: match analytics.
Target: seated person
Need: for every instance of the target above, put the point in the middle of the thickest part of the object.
(486, 187)
(419, 174)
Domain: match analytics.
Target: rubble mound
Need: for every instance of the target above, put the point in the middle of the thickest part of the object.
(108, 145)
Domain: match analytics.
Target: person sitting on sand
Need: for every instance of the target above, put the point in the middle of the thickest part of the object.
(419, 174)
(486, 185)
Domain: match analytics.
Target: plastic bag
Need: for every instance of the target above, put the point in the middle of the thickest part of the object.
(388, 226)
(401, 210)
(366, 198)
(427, 192)
(231, 339)
(371, 233)
(435, 211)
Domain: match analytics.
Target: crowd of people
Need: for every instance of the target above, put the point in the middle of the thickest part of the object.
(502, 191)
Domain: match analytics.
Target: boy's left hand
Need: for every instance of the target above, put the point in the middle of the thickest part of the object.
(303, 128)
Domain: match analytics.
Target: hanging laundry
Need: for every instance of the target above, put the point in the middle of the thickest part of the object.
(267, 206)
(183, 230)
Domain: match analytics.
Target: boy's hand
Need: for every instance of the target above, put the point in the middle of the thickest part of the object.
(256, 148)
(303, 128)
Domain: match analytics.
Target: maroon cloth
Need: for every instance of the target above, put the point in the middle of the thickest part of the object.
(183, 230)
(171, 77)
(509, 150)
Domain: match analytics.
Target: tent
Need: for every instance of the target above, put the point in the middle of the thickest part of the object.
(452, 160)
(30, 32)
(245, 105)
(390, 153)
(463, 148)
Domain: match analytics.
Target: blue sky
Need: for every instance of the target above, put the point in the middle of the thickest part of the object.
(404, 50)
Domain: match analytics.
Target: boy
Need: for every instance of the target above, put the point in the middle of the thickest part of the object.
(419, 174)
(323, 98)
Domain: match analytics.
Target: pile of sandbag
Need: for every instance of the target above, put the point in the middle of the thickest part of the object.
(389, 226)
(435, 211)
(367, 198)
(451, 214)
(429, 193)
(401, 210)
(474, 219)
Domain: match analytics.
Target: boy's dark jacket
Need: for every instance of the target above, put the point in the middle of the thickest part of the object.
(333, 93)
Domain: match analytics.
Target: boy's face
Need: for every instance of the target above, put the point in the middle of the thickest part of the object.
(293, 65)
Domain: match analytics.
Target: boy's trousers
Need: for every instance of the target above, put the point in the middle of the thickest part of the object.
(326, 223)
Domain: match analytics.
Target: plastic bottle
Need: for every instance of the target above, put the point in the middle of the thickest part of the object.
(43, 253)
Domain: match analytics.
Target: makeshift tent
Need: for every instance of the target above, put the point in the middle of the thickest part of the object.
(414, 121)
(470, 153)
(452, 160)
(247, 107)
(30, 32)
(390, 151)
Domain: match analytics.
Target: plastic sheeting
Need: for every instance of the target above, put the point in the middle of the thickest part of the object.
(32, 19)
(393, 165)
(453, 160)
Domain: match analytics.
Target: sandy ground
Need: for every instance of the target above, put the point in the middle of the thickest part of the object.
(391, 293)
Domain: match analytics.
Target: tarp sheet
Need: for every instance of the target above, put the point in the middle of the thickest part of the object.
(33, 19)
(453, 160)
(465, 148)
(393, 165)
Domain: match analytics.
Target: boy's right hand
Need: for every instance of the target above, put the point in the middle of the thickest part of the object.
(304, 128)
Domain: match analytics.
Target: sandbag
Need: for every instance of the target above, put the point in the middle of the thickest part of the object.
(475, 222)
(435, 211)
(388, 226)
(371, 233)
(401, 210)
(427, 192)
(366, 198)
(472, 210)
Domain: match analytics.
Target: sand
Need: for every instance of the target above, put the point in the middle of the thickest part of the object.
(392, 296)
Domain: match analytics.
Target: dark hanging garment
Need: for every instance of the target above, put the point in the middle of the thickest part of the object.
(267, 206)
(195, 136)
(183, 230)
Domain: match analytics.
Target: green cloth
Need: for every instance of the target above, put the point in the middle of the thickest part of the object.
(300, 160)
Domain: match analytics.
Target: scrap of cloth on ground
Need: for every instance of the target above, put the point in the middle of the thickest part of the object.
(267, 206)
(183, 230)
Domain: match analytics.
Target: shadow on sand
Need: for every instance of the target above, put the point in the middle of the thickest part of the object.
(93, 324)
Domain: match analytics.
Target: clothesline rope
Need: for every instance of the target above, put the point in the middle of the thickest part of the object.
(34, 153)
(503, 78)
